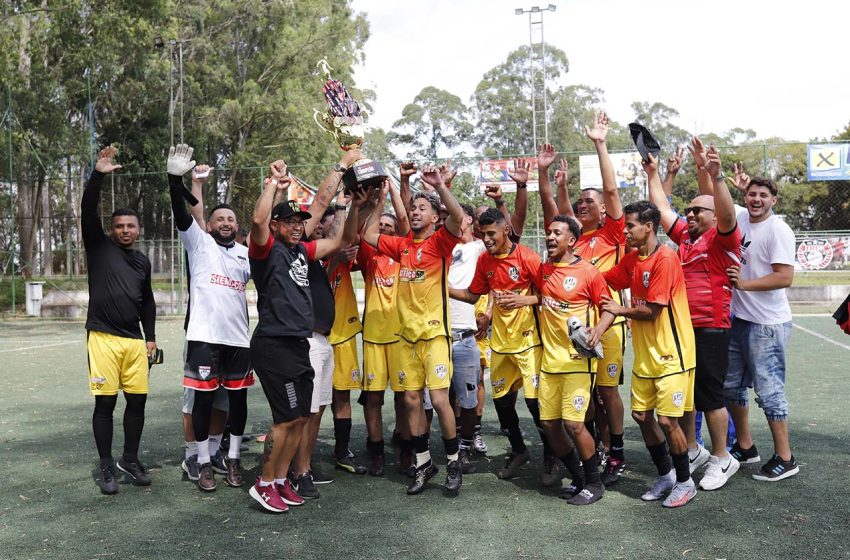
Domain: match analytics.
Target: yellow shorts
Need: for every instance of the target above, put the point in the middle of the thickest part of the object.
(509, 372)
(609, 370)
(564, 396)
(381, 362)
(117, 363)
(670, 396)
(346, 365)
(425, 363)
(484, 350)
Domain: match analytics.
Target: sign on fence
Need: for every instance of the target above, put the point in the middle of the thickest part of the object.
(823, 253)
(627, 170)
(495, 171)
(828, 162)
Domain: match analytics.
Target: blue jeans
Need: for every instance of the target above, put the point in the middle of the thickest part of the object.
(466, 364)
(757, 360)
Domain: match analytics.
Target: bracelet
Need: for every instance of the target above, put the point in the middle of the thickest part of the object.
(340, 208)
(500, 202)
(521, 185)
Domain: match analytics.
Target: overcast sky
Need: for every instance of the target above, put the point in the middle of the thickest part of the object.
(781, 68)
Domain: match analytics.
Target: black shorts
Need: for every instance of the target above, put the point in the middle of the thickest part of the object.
(209, 366)
(283, 365)
(712, 349)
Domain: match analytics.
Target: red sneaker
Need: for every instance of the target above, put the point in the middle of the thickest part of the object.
(268, 497)
(288, 494)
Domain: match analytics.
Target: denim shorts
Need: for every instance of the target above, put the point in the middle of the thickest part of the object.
(466, 366)
(757, 360)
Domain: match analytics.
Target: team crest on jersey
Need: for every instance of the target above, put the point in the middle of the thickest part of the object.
(441, 370)
(612, 370)
(401, 377)
(578, 403)
(355, 375)
(419, 255)
(645, 279)
(678, 399)
(570, 283)
(390, 261)
(204, 371)
(513, 272)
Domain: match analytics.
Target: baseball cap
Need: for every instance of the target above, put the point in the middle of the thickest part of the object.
(284, 210)
(644, 140)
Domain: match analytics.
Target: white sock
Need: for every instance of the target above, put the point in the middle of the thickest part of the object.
(452, 457)
(422, 458)
(235, 443)
(264, 483)
(204, 451)
(280, 481)
(215, 443)
(191, 448)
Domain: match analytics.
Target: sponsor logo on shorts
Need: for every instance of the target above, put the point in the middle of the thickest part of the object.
(535, 381)
(612, 370)
(290, 394)
(441, 370)
(97, 380)
(678, 399)
(204, 371)
(578, 403)
(645, 279)
(570, 283)
(498, 384)
(370, 377)
(401, 377)
(513, 272)
(355, 375)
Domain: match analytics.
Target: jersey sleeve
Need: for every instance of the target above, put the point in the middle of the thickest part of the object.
(310, 247)
(392, 246)
(660, 289)
(480, 285)
(617, 277)
(782, 245)
(597, 287)
(193, 237)
(532, 264)
(612, 230)
(677, 231)
(365, 254)
(260, 253)
(444, 241)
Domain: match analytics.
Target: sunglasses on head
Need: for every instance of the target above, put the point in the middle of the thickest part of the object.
(696, 210)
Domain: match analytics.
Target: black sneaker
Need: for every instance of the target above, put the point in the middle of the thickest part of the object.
(466, 464)
(376, 466)
(512, 464)
(135, 471)
(569, 491)
(191, 468)
(745, 456)
(422, 476)
(217, 462)
(318, 476)
(613, 471)
(589, 494)
(107, 481)
(234, 476)
(776, 469)
(551, 475)
(206, 480)
(305, 486)
(348, 464)
(454, 477)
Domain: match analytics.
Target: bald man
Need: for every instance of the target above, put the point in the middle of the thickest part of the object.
(709, 242)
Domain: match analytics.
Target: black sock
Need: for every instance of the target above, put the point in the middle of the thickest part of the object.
(342, 435)
(591, 469)
(134, 423)
(534, 408)
(590, 425)
(681, 464)
(573, 463)
(375, 448)
(237, 415)
(465, 444)
(661, 458)
(617, 447)
(451, 446)
(101, 423)
(477, 423)
(509, 419)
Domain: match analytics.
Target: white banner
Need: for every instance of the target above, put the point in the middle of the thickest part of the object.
(627, 170)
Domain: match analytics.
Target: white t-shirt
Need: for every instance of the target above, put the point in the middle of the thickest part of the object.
(464, 258)
(763, 244)
(218, 308)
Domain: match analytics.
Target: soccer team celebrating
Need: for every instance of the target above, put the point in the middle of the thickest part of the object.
(450, 294)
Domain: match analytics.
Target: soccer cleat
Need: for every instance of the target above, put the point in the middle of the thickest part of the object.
(466, 464)
(234, 477)
(217, 462)
(589, 494)
(135, 471)
(422, 476)
(318, 476)
(569, 491)
(405, 464)
(454, 476)
(551, 475)
(288, 494)
(376, 467)
(718, 472)
(191, 468)
(107, 482)
(745, 456)
(206, 478)
(664, 484)
(698, 460)
(681, 494)
(306, 487)
(512, 464)
(348, 464)
(268, 497)
(479, 444)
(777, 469)
(602, 453)
(613, 471)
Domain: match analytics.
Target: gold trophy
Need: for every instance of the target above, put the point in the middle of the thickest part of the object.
(345, 121)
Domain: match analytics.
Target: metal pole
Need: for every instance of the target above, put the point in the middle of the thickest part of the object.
(181, 90)
(171, 90)
(11, 194)
(93, 136)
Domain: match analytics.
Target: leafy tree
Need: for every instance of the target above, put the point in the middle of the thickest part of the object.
(435, 121)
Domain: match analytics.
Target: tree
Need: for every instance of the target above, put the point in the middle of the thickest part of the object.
(436, 121)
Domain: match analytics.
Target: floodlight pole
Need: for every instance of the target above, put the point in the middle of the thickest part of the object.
(537, 46)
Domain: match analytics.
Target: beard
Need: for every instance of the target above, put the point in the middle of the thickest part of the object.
(223, 239)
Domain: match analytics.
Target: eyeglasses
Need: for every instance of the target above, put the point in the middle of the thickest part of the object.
(696, 210)
(294, 223)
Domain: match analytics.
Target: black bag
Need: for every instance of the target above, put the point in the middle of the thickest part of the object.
(842, 315)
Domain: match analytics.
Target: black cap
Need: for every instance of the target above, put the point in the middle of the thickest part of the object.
(644, 140)
(284, 210)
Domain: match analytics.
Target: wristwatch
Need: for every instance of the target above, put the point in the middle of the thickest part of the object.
(340, 208)
(521, 185)
(339, 168)
(720, 177)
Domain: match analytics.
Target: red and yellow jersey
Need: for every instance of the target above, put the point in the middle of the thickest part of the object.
(664, 346)
(604, 247)
(513, 330)
(380, 315)
(567, 290)
(423, 288)
(346, 316)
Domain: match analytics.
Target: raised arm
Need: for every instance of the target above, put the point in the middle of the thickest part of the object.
(328, 189)
(545, 158)
(565, 206)
(656, 193)
(520, 173)
(741, 179)
(674, 164)
(494, 191)
(435, 177)
(92, 229)
(200, 175)
(700, 155)
(344, 235)
(405, 170)
(263, 210)
(370, 232)
(724, 207)
(179, 162)
(598, 135)
(402, 221)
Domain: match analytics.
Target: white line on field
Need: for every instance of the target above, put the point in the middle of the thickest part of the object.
(822, 337)
(22, 348)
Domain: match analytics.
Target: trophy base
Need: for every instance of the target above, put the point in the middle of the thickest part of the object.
(364, 173)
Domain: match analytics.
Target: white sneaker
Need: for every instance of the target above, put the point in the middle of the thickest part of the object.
(478, 443)
(682, 493)
(697, 460)
(718, 472)
(664, 484)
